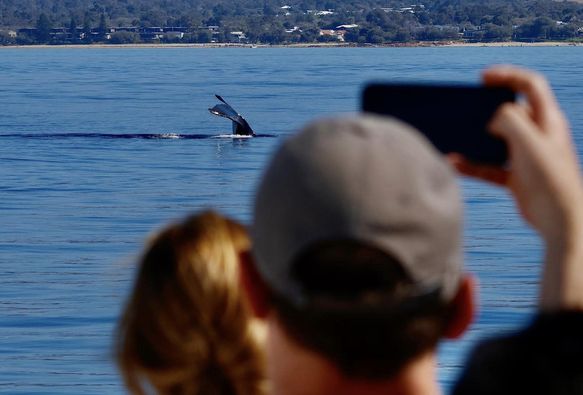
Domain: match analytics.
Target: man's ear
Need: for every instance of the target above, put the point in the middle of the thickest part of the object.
(463, 308)
(255, 289)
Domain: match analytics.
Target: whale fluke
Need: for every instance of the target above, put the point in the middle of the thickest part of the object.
(240, 125)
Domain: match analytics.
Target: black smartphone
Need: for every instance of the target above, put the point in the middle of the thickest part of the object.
(452, 117)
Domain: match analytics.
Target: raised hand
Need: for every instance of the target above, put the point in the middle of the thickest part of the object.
(544, 177)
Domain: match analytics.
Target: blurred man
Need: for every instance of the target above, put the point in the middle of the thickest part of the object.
(357, 243)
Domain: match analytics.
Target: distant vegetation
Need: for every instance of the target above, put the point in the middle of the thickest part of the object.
(285, 22)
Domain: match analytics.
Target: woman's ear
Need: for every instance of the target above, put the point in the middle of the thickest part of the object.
(253, 285)
(463, 308)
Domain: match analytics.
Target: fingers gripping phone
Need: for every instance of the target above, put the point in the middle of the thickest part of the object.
(453, 117)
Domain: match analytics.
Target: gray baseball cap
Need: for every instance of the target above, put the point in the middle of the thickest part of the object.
(365, 178)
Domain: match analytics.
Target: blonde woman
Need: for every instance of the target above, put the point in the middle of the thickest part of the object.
(187, 328)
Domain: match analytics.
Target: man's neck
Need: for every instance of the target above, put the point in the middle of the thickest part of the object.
(295, 370)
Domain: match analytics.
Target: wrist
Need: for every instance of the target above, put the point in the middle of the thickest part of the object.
(562, 283)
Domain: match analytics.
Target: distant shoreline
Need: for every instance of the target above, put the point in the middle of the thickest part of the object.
(433, 44)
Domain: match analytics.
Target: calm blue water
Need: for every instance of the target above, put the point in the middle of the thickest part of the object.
(74, 211)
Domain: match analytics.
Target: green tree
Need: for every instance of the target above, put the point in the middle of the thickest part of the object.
(87, 37)
(309, 35)
(203, 36)
(537, 29)
(434, 33)
(102, 29)
(375, 36)
(378, 18)
(73, 29)
(403, 35)
(494, 32)
(125, 38)
(43, 28)
(268, 9)
(153, 18)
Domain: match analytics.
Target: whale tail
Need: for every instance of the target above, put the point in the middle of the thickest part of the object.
(240, 125)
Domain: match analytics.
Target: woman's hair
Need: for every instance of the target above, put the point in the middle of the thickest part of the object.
(187, 328)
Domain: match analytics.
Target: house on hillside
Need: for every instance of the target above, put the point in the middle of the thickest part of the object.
(320, 13)
(404, 10)
(238, 36)
(153, 33)
(344, 27)
(337, 34)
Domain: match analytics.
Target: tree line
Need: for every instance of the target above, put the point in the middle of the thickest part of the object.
(293, 21)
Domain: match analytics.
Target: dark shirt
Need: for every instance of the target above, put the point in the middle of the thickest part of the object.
(544, 358)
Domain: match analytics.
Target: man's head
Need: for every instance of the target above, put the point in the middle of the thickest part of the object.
(357, 235)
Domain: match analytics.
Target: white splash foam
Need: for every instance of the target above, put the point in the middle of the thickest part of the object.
(231, 136)
(169, 136)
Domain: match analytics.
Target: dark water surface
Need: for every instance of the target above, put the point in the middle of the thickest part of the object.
(99, 147)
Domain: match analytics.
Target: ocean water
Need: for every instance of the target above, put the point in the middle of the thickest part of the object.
(92, 161)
